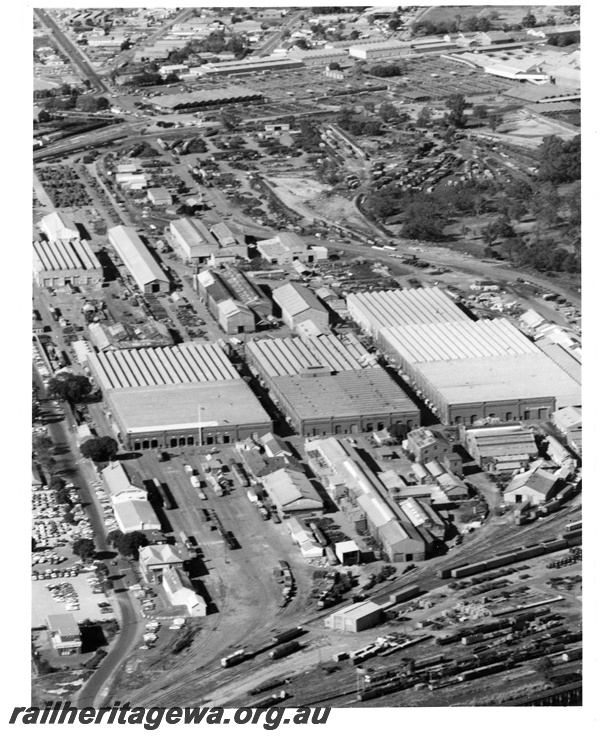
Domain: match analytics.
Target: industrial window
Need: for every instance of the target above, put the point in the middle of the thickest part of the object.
(338, 429)
(408, 557)
(145, 445)
(137, 446)
(542, 413)
(153, 443)
(209, 439)
(380, 426)
(458, 419)
(191, 441)
(369, 427)
(173, 442)
(182, 441)
(473, 418)
(527, 415)
(226, 438)
(509, 416)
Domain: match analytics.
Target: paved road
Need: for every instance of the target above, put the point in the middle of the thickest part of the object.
(71, 51)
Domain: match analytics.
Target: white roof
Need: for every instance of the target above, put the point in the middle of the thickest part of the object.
(138, 260)
(64, 254)
(295, 299)
(135, 515)
(292, 489)
(58, 226)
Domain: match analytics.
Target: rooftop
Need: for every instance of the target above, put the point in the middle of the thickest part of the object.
(291, 488)
(200, 97)
(297, 298)
(538, 480)
(64, 254)
(134, 515)
(64, 624)
(134, 253)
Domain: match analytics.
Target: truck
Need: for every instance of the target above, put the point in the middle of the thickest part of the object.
(252, 497)
(195, 481)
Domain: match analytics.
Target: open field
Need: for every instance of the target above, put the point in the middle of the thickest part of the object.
(506, 13)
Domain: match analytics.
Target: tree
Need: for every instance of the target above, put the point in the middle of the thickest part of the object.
(84, 548)
(128, 544)
(302, 44)
(398, 430)
(480, 111)
(334, 65)
(456, 105)
(494, 120)
(99, 449)
(424, 117)
(529, 21)
(387, 112)
(69, 387)
(44, 116)
(560, 161)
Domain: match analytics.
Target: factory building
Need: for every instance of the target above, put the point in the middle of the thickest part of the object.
(427, 444)
(373, 311)
(356, 617)
(192, 240)
(298, 304)
(236, 302)
(326, 385)
(287, 247)
(292, 492)
(176, 396)
(65, 262)
(58, 225)
(359, 492)
(131, 507)
(318, 57)
(500, 448)
(183, 102)
(142, 266)
(377, 50)
(250, 65)
(476, 370)
(533, 486)
(159, 196)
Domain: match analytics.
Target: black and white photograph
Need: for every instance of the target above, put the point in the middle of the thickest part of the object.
(306, 430)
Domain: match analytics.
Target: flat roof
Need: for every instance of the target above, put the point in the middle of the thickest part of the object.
(134, 253)
(216, 403)
(290, 356)
(186, 363)
(64, 624)
(375, 45)
(408, 307)
(356, 611)
(297, 298)
(503, 378)
(344, 395)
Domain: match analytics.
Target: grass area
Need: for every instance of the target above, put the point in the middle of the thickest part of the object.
(506, 13)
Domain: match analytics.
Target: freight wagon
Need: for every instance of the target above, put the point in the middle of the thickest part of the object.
(287, 636)
(230, 660)
(282, 650)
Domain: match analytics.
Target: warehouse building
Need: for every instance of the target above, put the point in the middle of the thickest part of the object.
(377, 50)
(356, 617)
(155, 559)
(477, 370)
(534, 486)
(233, 299)
(135, 516)
(58, 225)
(192, 240)
(183, 102)
(326, 385)
(142, 266)
(373, 311)
(177, 396)
(159, 196)
(502, 448)
(287, 247)
(298, 304)
(250, 65)
(292, 492)
(317, 57)
(180, 592)
(65, 262)
(569, 419)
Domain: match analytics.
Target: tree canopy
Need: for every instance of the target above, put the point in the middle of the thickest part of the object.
(84, 548)
(128, 544)
(99, 449)
(560, 161)
(69, 387)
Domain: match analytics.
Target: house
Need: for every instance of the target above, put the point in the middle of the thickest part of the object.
(64, 634)
(180, 592)
(291, 491)
(155, 559)
(298, 304)
(533, 486)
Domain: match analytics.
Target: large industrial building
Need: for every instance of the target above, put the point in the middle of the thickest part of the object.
(65, 262)
(286, 247)
(193, 240)
(177, 396)
(373, 311)
(326, 385)
(181, 102)
(318, 57)
(298, 304)
(142, 266)
(472, 370)
(376, 50)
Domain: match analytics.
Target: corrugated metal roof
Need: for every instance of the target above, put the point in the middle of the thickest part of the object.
(457, 340)
(64, 254)
(184, 363)
(297, 298)
(202, 96)
(138, 260)
(413, 306)
(291, 356)
(135, 515)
